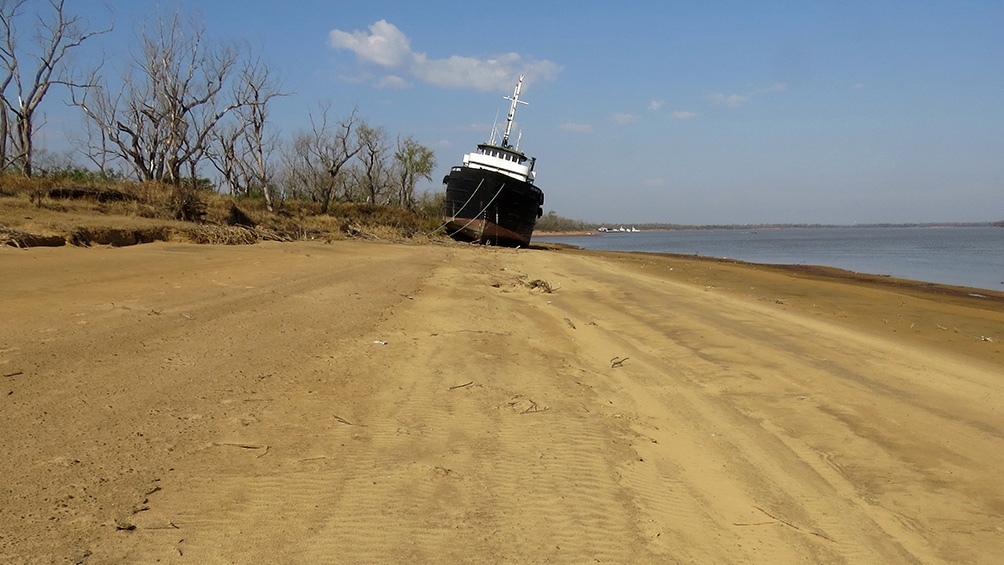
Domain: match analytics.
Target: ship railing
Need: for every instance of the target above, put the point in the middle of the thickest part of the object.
(492, 163)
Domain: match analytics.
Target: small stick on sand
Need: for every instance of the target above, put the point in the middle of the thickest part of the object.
(534, 408)
(241, 445)
(790, 525)
(467, 384)
(617, 362)
(344, 421)
(244, 446)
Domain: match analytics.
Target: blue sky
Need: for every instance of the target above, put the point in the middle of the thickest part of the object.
(690, 112)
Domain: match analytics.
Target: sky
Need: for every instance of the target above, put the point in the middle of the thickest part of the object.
(685, 112)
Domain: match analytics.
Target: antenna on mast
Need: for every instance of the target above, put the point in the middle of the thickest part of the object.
(494, 128)
(512, 111)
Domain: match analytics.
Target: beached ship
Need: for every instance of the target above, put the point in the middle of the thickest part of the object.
(491, 198)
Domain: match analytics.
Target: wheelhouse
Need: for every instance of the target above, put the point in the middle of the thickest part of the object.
(505, 160)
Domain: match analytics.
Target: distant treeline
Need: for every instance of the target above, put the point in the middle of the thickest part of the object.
(552, 222)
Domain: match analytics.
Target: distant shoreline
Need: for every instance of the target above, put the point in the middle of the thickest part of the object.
(675, 227)
(978, 267)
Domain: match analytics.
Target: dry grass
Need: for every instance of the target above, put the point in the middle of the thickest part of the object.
(50, 211)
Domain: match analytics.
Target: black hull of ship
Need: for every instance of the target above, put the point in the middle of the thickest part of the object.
(490, 208)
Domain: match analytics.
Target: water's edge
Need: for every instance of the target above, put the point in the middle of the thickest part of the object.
(961, 256)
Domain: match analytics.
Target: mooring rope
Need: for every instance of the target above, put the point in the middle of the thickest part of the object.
(483, 210)
(473, 194)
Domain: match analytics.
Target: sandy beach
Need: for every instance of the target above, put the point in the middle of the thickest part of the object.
(366, 402)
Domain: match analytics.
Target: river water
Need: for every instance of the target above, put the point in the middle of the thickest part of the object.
(964, 256)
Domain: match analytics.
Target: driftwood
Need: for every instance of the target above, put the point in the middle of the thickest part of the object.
(24, 240)
(534, 408)
(541, 284)
(245, 446)
(344, 421)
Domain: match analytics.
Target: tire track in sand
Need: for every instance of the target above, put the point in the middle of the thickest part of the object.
(508, 467)
(708, 385)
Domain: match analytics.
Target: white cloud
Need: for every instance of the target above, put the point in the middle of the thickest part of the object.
(732, 100)
(683, 115)
(625, 119)
(386, 46)
(392, 81)
(735, 100)
(655, 105)
(859, 86)
(576, 128)
(776, 87)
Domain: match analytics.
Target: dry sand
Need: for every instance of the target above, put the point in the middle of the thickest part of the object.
(364, 402)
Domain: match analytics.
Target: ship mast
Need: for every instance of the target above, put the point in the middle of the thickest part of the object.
(512, 111)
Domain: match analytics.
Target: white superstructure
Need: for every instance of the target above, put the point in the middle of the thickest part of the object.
(502, 157)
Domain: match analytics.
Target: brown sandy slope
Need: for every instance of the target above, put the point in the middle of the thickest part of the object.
(364, 402)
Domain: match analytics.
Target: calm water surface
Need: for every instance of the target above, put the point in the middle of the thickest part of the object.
(965, 256)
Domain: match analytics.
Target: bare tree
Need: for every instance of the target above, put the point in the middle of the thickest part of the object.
(412, 161)
(373, 154)
(172, 99)
(7, 12)
(302, 176)
(225, 139)
(55, 36)
(258, 89)
(319, 156)
(96, 146)
(242, 151)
